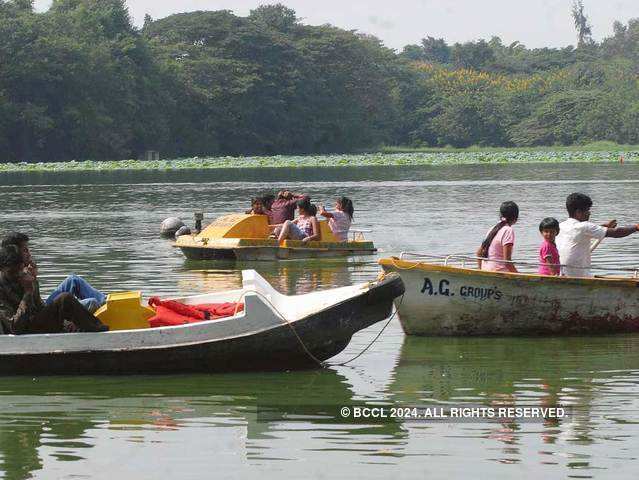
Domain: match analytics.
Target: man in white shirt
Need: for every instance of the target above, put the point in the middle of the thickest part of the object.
(576, 234)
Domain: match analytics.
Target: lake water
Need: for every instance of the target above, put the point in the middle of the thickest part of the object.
(105, 226)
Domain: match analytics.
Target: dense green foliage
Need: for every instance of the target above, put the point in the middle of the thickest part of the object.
(81, 82)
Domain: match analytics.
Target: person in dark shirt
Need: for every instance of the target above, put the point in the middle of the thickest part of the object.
(89, 297)
(22, 310)
(283, 208)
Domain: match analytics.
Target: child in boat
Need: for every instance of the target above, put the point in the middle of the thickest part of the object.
(340, 220)
(495, 252)
(548, 253)
(259, 207)
(305, 227)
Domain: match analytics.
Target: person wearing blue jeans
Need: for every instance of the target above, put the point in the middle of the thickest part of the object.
(91, 298)
(88, 296)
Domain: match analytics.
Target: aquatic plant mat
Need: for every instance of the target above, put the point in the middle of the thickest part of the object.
(360, 160)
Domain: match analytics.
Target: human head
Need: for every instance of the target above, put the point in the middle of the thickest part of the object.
(267, 200)
(21, 241)
(306, 207)
(345, 204)
(509, 211)
(284, 195)
(549, 228)
(10, 260)
(257, 206)
(578, 206)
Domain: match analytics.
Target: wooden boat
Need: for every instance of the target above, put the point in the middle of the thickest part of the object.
(267, 335)
(246, 237)
(442, 299)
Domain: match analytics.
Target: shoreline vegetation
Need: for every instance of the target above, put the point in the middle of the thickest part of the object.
(600, 152)
(81, 81)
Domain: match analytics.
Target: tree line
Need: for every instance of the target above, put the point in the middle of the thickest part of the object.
(80, 81)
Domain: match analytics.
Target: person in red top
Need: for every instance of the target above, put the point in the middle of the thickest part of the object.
(283, 208)
(548, 253)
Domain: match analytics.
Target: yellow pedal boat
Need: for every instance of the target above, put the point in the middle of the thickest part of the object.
(246, 237)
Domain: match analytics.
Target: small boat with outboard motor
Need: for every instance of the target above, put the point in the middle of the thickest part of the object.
(246, 237)
(449, 296)
(261, 329)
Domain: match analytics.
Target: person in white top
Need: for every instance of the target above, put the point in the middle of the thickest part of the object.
(577, 233)
(340, 220)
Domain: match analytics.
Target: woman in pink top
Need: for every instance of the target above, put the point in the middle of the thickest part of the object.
(498, 244)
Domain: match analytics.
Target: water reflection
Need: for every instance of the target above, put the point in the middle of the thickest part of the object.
(596, 378)
(289, 277)
(66, 415)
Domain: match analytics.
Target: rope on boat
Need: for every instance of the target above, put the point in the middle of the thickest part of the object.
(319, 362)
(299, 339)
(401, 299)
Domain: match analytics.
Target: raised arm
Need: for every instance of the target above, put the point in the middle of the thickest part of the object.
(324, 213)
(620, 232)
(300, 196)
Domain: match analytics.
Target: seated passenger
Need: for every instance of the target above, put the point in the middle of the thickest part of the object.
(548, 253)
(305, 227)
(340, 220)
(22, 310)
(267, 201)
(258, 207)
(283, 207)
(495, 252)
(88, 296)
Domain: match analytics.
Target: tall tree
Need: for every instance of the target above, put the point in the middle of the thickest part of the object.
(277, 17)
(584, 30)
(436, 50)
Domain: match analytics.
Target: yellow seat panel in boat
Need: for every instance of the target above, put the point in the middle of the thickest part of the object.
(326, 235)
(237, 226)
(124, 311)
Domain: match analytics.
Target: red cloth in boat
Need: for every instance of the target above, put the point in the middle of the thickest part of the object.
(169, 312)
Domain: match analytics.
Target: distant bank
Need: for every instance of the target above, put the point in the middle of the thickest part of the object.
(391, 156)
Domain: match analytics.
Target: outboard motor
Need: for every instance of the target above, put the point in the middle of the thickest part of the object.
(170, 226)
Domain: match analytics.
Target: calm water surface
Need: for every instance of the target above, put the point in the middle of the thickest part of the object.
(105, 226)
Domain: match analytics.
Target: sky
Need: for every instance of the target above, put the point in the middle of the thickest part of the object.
(535, 23)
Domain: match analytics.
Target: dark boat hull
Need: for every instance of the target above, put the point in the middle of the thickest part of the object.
(269, 253)
(195, 253)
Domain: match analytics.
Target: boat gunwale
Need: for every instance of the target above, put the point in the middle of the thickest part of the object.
(401, 264)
